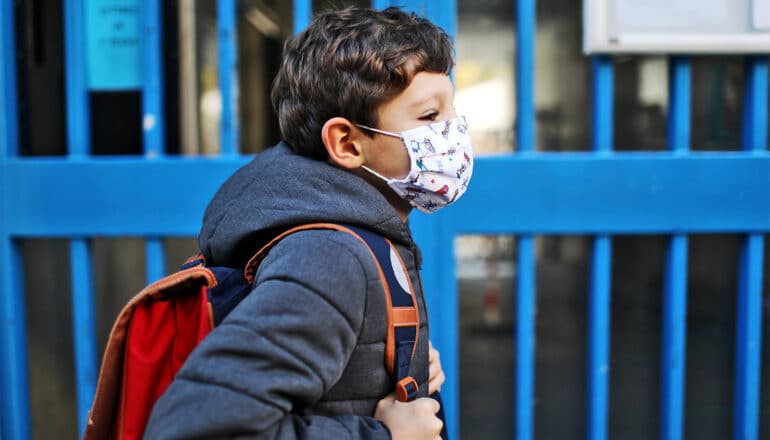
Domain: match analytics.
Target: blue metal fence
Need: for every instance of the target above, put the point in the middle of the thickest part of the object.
(601, 193)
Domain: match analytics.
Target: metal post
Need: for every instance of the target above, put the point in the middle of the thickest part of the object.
(525, 285)
(78, 147)
(675, 284)
(748, 334)
(599, 289)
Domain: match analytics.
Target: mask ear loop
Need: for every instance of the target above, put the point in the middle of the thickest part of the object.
(386, 133)
(376, 174)
(377, 130)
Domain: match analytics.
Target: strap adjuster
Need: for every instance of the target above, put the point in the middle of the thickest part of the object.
(406, 389)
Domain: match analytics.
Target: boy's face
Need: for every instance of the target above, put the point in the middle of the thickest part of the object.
(427, 99)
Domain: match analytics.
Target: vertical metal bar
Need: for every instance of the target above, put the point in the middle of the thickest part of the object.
(9, 123)
(525, 337)
(602, 108)
(441, 297)
(675, 285)
(525, 76)
(78, 144)
(78, 111)
(443, 13)
(679, 104)
(755, 104)
(14, 376)
(228, 75)
(525, 285)
(600, 282)
(748, 334)
(303, 11)
(152, 78)
(748, 344)
(156, 260)
(84, 327)
(674, 339)
(152, 108)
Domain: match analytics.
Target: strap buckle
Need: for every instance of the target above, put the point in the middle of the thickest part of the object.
(406, 389)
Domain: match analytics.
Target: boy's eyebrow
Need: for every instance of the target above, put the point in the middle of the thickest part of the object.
(423, 101)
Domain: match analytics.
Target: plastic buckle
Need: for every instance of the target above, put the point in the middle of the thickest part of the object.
(406, 389)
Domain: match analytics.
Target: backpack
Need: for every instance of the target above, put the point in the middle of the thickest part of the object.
(159, 327)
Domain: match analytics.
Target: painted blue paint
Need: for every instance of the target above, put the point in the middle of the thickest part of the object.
(755, 104)
(152, 78)
(525, 75)
(9, 123)
(599, 337)
(674, 339)
(78, 146)
(156, 260)
(525, 281)
(14, 380)
(381, 4)
(78, 112)
(113, 43)
(679, 104)
(602, 95)
(601, 263)
(443, 13)
(228, 75)
(619, 193)
(84, 328)
(437, 247)
(525, 338)
(152, 111)
(303, 11)
(674, 348)
(748, 340)
(13, 357)
(628, 193)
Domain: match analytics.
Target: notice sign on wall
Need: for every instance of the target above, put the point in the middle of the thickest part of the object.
(676, 26)
(113, 44)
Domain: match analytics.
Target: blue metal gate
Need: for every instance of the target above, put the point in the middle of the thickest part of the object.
(601, 193)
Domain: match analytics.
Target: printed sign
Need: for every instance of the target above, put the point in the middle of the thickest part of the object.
(676, 26)
(112, 30)
(761, 15)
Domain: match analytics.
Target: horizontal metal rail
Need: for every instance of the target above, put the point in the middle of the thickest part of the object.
(629, 193)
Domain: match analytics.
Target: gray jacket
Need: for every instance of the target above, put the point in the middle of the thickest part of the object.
(302, 356)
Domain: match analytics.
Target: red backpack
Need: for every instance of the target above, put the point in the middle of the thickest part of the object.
(162, 324)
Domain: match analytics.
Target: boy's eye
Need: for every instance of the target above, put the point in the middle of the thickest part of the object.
(429, 117)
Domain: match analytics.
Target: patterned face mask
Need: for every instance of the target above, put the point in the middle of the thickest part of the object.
(441, 157)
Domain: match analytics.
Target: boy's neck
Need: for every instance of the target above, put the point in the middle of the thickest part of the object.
(402, 207)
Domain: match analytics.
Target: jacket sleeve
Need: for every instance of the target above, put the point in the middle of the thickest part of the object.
(258, 373)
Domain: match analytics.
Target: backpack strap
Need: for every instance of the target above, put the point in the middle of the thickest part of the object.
(403, 317)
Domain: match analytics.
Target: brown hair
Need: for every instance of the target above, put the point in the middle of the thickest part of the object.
(347, 63)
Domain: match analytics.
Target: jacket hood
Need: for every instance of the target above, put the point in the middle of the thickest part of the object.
(280, 189)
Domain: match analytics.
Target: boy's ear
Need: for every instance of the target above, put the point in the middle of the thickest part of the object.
(342, 140)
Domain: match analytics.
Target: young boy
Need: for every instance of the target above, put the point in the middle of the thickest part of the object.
(365, 107)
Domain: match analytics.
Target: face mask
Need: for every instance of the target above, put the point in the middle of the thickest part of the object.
(441, 165)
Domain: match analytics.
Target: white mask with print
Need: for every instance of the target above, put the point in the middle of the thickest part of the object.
(441, 164)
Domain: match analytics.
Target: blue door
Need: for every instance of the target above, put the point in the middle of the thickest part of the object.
(602, 193)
